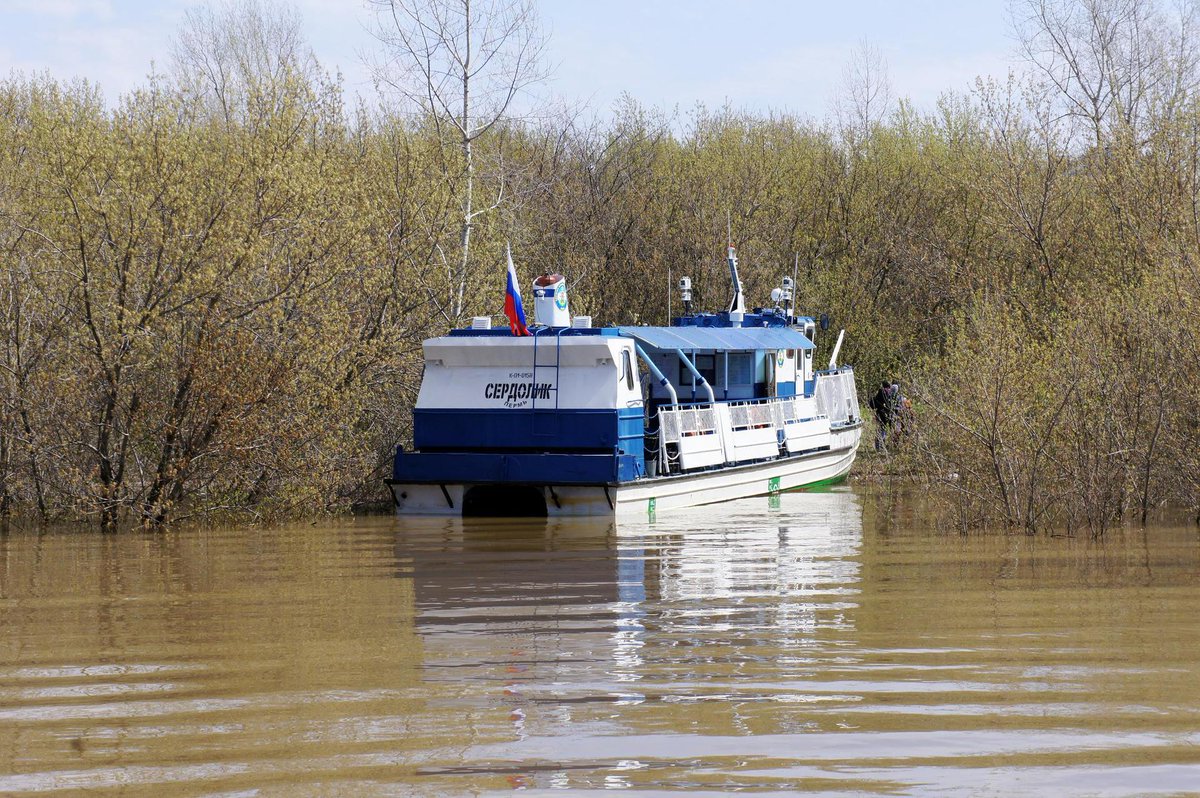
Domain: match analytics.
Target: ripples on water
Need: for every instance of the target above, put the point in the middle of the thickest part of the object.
(825, 642)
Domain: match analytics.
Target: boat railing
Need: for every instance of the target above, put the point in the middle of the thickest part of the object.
(686, 421)
(837, 396)
(786, 412)
(755, 414)
(688, 432)
(695, 436)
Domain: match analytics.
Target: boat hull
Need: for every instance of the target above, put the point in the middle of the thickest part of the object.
(648, 496)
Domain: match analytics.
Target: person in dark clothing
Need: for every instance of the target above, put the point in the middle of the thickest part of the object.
(883, 404)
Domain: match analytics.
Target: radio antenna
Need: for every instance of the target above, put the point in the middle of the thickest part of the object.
(795, 276)
(738, 303)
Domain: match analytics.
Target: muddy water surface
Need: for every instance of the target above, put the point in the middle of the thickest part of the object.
(831, 642)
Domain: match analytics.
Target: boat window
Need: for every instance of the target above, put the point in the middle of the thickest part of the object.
(705, 364)
(627, 369)
(741, 368)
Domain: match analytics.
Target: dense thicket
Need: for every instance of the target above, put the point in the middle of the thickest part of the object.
(216, 303)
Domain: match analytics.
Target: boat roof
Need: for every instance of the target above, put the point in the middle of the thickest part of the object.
(688, 337)
(720, 338)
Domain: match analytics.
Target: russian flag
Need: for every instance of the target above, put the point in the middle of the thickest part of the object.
(512, 299)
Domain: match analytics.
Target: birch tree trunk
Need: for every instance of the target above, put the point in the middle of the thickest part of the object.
(461, 64)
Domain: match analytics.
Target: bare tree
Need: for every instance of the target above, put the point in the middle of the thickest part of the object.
(1110, 61)
(462, 63)
(866, 93)
(241, 56)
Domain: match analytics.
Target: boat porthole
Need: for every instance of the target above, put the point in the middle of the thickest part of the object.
(403, 495)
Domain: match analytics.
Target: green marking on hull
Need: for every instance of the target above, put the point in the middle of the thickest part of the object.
(773, 485)
(822, 483)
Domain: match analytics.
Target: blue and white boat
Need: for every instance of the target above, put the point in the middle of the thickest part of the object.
(578, 420)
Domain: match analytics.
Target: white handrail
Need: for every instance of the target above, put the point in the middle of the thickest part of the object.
(836, 348)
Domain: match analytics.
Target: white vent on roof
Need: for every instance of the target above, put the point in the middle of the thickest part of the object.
(481, 323)
(581, 322)
(550, 301)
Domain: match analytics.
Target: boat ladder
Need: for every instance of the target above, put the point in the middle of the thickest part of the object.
(545, 420)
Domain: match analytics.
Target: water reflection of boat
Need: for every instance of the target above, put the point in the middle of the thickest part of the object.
(456, 562)
(798, 558)
(573, 629)
(810, 544)
(565, 422)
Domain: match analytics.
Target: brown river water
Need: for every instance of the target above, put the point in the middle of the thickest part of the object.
(830, 643)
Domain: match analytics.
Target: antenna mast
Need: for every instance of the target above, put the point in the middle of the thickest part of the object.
(738, 303)
(795, 276)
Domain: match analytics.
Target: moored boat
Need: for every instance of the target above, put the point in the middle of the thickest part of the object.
(571, 419)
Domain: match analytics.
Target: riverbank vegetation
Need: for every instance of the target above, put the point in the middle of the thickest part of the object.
(214, 288)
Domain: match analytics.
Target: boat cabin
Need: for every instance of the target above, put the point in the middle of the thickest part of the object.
(739, 363)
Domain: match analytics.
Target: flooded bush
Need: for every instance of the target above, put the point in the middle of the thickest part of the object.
(1081, 420)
